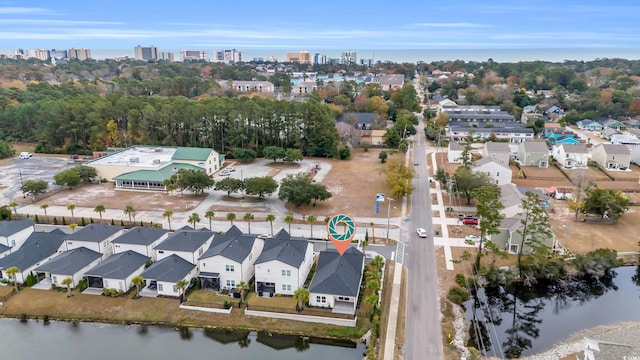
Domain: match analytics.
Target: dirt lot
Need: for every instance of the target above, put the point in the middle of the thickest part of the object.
(539, 177)
(354, 184)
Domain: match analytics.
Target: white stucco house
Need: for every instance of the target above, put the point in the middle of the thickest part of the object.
(96, 237)
(161, 277)
(229, 260)
(70, 264)
(499, 173)
(336, 282)
(571, 156)
(13, 233)
(187, 244)
(39, 248)
(140, 239)
(283, 265)
(454, 153)
(116, 271)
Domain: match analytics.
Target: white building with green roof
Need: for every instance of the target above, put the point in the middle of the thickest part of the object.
(146, 167)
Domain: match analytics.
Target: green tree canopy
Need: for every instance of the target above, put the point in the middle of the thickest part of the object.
(260, 186)
(86, 173)
(466, 181)
(607, 203)
(195, 181)
(34, 187)
(244, 155)
(292, 155)
(273, 153)
(6, 150)
(300, 190)
(230, 185)
(69, 177)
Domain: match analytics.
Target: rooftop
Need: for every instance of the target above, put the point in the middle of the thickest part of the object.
(70, 262)
(150, 157)
(119, 266)
(94, 233)
(170, 269)
(140, 235)
(185, 240)
(37, 247)
(336, 274)
(11, 227)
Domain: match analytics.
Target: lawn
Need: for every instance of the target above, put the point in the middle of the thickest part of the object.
(282, 302)
(56, 305)
(213, 297)
(5, 290)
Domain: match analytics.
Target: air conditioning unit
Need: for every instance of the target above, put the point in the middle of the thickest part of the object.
(158, 150)
(156, 161)
(134, 159)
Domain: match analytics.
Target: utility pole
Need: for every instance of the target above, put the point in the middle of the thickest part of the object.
(388, 217)
(21, 183)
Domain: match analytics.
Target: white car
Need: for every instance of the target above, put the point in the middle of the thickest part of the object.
(421, 232)
(474, 238)
(230, 169)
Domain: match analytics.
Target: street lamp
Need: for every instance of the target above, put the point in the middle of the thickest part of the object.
(388, 217)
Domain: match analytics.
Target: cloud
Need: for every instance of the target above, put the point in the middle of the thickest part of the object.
(42, 22)
(22, 10)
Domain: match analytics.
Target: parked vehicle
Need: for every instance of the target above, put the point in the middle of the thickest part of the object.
(470, 221)
(25, 155)
(421, 232)
(474, 238)
(465, 216)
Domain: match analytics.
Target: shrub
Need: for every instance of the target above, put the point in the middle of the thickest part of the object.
(36, 219)
(31, 280)
(345, 153)
(64, 221)
(121, 222)
(45, 319)
(106, 292)
(227, 304)
(23, 318)
(461, 280)
(83, 222)
(55, 220)
(82, 285)
(91, 221)
(458, 295)
(113, 222)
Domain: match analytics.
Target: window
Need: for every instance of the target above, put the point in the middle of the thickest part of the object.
(231, 283)
(106, 284)
(175, 289)
(321, 299)
(498, 174)
(286, 272)
(68, 242)
(229, 268)
(201, 251)
(204, 264)
(343, 298)
(160, 251)
(513, 248)
(286, 287)
(160, 287)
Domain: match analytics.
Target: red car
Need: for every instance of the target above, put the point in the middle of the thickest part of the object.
(470, 221)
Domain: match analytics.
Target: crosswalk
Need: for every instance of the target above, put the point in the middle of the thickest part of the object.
(400, 252)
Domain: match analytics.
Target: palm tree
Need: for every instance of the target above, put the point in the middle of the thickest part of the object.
(194, 218)
(11, 272)
(373, 232)
(44, 207)
(168, 214)
(14, 205)
(231, 217)
(67, 282)
(72, 207)
(99, 209)
(270, 219)
(73, 227)
(182, 285)
(365, 242)
(137, 281)
(248, 217)
(311, 219)
(302, 295)
(241, 287)
(209, 215)
(289, 219)
(129, 210)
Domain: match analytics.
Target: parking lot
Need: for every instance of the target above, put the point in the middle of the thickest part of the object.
(19, 170)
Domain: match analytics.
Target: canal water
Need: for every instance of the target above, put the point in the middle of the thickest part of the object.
(533, 321)
(83, 341)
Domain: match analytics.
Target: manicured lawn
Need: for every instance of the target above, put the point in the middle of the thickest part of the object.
(287, 302)
(208, 297)
(4, 290)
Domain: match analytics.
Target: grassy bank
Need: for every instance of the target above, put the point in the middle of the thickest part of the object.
(154, 311)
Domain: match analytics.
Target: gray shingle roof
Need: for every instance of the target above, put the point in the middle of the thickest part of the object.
(233, 247)
(535, 147)
(497, 146)
(612, 149)
(37, 247)
(619, 343)
(4, 248)
(70, 262)
(575, 148)
(170, 269)
(338, 275)
(486, 160)
(185, 240)
(454, 145)
(290, 251)
(94, 233)
(140, 235)
(11, 227)
(119, 266)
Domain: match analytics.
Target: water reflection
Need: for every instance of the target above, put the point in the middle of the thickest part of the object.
(514, 321)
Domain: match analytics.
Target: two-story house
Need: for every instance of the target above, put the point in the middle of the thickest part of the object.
(13, 233)
(39, 248)
(96, 237)
(498, 173)
(163, 275)
(533, 153)
(283, 265)
(187, 244)
(571, 156)
(611, 156)
(140, 239)
(70, 264)
(454, 153)
(117, 271)
(497, 151)
(588, 124)
(229, 260)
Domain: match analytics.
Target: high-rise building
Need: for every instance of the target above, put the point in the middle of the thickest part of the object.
(227, 56)
(80, 54)
(302, 57)
(366, 62)
(348, 57)
(166, 56)
(41, 54)
(319, 59)
(45, 55)
(190, 55)
(146, 53)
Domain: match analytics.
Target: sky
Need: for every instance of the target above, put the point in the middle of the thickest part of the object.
(320, 25)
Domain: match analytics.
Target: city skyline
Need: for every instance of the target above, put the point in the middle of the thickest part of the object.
(355, 25)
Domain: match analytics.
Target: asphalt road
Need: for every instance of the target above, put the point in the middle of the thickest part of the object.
(423, 339)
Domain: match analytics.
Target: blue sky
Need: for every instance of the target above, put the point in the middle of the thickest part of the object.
(317, 25)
